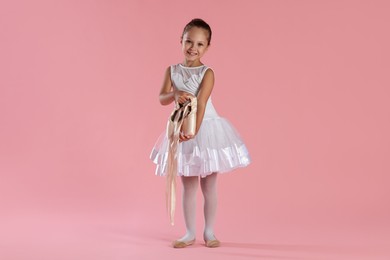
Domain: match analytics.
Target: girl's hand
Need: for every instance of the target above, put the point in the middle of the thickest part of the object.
(181, 96)
(184, 138)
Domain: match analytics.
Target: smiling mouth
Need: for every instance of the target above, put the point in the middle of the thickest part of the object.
(191, 53)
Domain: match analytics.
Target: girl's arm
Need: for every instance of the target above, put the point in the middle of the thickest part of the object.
(166, 95)
(203, 95)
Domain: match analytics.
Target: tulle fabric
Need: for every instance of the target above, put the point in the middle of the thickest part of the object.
(216, 148)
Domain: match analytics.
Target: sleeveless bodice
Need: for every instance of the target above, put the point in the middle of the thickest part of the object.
(188, 79)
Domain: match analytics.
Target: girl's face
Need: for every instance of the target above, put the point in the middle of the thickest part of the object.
(194, 44)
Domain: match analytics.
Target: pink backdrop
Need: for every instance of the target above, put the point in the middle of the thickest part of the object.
(306, 83)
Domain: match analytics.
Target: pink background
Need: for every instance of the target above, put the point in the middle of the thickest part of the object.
(306, 83)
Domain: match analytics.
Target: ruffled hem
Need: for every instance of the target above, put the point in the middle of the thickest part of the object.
(216, 148)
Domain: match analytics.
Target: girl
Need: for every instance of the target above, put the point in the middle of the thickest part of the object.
(216, 146)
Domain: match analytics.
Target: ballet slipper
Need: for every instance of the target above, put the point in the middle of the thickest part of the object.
(212, 243)
(189, 122)
(182, 244)
(182, 118)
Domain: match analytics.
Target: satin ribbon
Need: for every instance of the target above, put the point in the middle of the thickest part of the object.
(174, 126)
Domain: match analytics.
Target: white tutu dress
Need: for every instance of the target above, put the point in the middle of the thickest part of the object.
(217, 147)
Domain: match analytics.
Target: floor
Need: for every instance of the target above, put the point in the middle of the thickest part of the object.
(48, 234)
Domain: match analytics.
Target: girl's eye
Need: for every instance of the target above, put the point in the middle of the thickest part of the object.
(200, 44)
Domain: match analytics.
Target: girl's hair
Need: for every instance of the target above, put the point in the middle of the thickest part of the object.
(197, 22)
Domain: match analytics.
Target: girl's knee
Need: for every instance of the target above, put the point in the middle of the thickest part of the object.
(190, 183)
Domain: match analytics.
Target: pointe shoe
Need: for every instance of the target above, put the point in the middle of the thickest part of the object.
(182, 244)
(212, 243)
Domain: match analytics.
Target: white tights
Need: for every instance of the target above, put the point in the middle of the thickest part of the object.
(209, 190)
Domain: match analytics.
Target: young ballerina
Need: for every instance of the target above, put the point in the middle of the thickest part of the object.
(215, 148)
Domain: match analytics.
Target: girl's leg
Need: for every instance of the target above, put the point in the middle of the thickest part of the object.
(209, 190)
(190, 186)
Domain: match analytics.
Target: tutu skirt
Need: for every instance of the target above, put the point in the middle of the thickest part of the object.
(217, 147)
